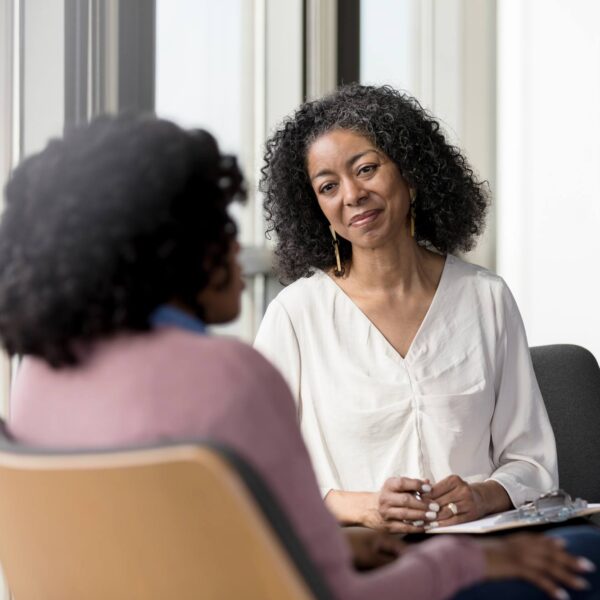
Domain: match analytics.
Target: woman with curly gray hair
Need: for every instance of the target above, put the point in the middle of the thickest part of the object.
(410, 367)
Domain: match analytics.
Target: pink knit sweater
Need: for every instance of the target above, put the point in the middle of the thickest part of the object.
(171, 384)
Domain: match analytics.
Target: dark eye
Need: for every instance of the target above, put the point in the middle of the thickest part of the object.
(367, 169)
(327, 188)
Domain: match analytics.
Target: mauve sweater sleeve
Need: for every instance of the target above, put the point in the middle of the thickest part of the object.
(261, 425)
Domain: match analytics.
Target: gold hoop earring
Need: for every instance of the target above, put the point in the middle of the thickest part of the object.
(336, 249)
(413, 197)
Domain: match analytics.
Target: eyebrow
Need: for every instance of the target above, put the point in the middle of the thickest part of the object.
(349, 163)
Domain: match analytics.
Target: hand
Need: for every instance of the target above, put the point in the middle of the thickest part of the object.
(396, 508)
(538, 559)
(470, 501)
(372, 549)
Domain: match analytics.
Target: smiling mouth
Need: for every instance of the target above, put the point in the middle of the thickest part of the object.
(364, 218)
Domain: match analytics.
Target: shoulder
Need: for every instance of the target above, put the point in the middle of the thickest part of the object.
(185, 354)
(255, 384)
(228, 353)
(477, 277)
(303, 290)
(228, 366)
(484, 289)
(469, 271)
(252, 364)
(306, 298)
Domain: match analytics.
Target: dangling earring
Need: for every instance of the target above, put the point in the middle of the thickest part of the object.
(336, 249)
(413, 197)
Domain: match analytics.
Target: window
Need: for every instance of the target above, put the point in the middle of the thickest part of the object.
(234, 68)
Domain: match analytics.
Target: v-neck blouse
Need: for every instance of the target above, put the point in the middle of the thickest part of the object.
(354, 308)
(463, 400)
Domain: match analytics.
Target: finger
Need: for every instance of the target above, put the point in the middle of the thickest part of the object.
(409, 514)
(534, 550)
(456, 519)
(578, 564)
(567, 578)
(545, 584)
(459, 495)
(404, 484)
(404, 500)
(402, 527)
(445, 486)
(585, 565)
(566, 569)
(555, 581)
(452, 497)
(460, 508)
(426, 487)
(553, 562)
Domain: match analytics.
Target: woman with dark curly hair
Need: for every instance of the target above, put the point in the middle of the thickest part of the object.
(97, 234)
(116, 249)
(410, 368)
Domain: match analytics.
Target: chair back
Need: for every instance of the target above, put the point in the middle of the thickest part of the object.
(569, 379)
(178, 521)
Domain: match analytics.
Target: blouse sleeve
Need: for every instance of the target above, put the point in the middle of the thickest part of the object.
(276, 340)
(523, 445)
(279, 343)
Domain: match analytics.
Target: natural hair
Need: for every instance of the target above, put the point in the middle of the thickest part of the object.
(451, 203)
(100, 228)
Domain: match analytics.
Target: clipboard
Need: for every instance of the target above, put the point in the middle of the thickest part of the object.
(553, 507)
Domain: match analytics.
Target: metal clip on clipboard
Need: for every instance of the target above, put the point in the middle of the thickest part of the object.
(553, 507)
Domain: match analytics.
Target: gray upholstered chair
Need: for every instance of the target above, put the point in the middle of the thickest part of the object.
(569, 378)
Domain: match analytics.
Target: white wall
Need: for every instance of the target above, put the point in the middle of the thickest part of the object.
(443, 53)
(549, 166)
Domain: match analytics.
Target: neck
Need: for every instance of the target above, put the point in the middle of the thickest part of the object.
(179, 305)
(401, 266)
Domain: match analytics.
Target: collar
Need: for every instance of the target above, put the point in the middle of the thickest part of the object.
(170, 316)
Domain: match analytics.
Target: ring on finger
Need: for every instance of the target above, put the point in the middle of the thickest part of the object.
(453, 508)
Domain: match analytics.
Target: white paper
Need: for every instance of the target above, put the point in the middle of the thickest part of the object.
(490, 523)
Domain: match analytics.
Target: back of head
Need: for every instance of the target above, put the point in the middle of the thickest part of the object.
(103, 226)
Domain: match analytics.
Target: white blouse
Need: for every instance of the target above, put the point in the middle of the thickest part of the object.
(463, 400)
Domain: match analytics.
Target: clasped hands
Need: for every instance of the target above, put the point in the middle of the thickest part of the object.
(407, 505)
(402, 502)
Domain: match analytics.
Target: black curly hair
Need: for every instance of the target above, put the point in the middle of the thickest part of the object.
(451, 203)
(101, 227)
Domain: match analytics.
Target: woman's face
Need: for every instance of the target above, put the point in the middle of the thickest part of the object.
(222, 303)
(359, 189)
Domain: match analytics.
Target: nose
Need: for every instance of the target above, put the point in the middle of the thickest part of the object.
(354, 193)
